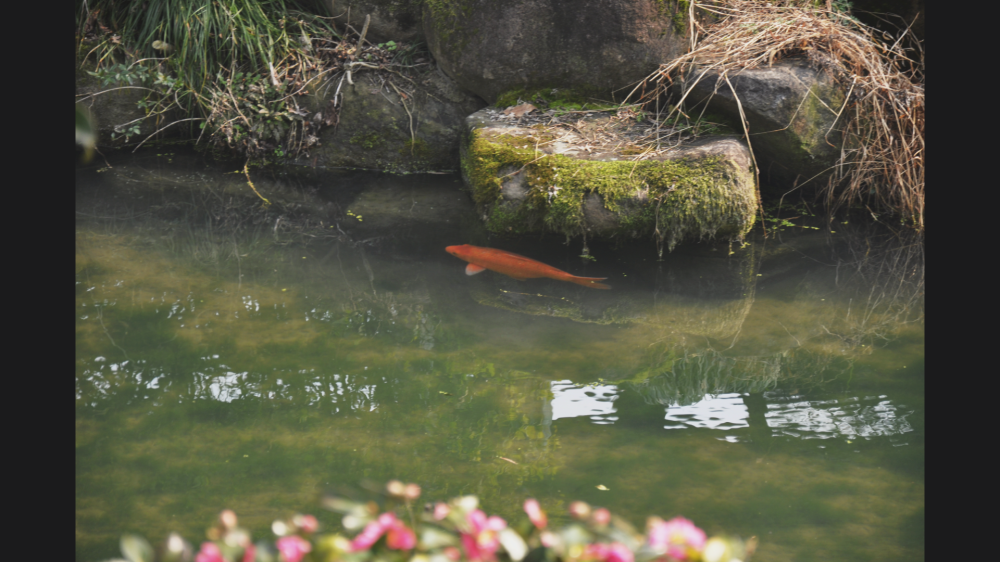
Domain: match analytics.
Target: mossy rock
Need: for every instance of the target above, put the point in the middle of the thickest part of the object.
(574, 176)
(792, 112)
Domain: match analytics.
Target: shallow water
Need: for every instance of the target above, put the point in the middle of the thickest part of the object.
(230, 356)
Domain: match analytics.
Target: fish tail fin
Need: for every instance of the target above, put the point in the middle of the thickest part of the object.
(591, 282)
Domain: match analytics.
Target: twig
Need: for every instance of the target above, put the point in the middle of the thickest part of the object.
(402, 99)
(112, 90)
(364, 31)
(756, 168)
(162, 128)
(246, 170)
(100, 318)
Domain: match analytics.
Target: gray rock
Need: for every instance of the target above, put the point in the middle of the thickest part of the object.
(374, 130)
(593, 46)
(396, 20)
(791, 108)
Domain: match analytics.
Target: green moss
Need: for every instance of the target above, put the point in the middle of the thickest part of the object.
(369, 141)
(680, 16)
(553, 98)
(806, 139)
(446, 16)
(418, 149)
(683, 198)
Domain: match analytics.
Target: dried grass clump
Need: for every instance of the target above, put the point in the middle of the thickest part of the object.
(882, 120)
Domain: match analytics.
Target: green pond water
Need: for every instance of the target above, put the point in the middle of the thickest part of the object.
(234, 356)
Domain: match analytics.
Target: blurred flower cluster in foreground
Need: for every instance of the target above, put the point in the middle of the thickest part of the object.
(456, 531)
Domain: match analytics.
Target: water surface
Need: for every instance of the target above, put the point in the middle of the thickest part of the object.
(236, 356)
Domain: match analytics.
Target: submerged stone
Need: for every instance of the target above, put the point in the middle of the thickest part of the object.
(598, 174)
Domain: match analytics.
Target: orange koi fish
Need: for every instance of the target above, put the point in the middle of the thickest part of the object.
(513, 265)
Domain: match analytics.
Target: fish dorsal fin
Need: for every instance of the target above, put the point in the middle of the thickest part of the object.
(473, 269)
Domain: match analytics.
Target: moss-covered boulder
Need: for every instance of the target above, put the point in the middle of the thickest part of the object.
(385, 128)
(592, 174)
(791, 109)
(601, 46)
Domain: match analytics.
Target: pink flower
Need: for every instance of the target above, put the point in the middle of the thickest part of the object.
(535, 513)
(209, 553)
(619, 553)
(678, 537)
(597, 551)
(441, 510)
(307, 523)
(602, 516)
(483, 541)
(228, 519)
(411, 492)
(367, 537)
(250, 553)
(293, 548)
(400, 536)
(614, 552)
(579, 510)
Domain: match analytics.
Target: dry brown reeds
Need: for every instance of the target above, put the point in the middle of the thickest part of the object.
(882, 119)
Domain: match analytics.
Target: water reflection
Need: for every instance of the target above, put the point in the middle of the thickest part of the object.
(725, 411)
(786, 415)
(596, 402)
(850, 418)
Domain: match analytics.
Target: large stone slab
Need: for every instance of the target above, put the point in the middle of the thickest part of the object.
(579, 175)
(597, 46)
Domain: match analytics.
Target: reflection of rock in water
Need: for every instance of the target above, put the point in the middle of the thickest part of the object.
(695, 295)
(423, 332)
(701, 317)
(687, 378)
(676, 377)
(385, 314)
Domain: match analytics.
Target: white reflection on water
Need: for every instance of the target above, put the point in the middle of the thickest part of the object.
(871, 416)
(724, 411)
(225, 388)
(596, 401)
(791, 416)
(344, 390)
